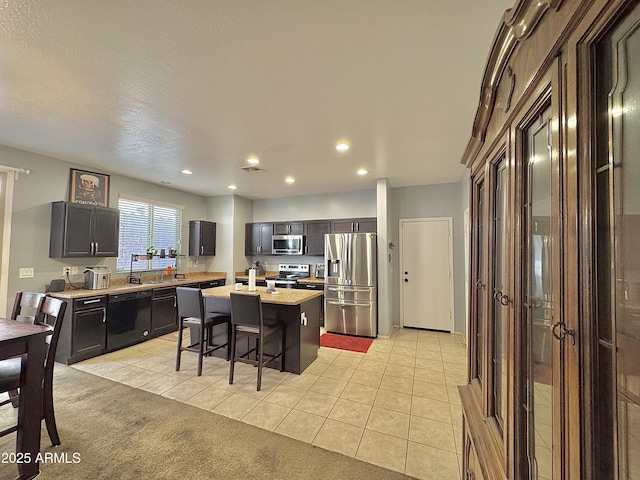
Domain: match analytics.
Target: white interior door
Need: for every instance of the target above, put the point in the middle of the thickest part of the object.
(426, 282)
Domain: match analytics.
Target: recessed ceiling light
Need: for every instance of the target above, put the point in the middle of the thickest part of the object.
(362, 171)
(342, 147)
(164, 182)
(290, 180)
(186, 171)
(232, 187)
(253, 161)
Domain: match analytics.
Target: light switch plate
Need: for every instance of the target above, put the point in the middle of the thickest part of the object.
(26, 272)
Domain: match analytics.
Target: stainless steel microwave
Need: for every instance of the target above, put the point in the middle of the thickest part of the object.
(287, 244)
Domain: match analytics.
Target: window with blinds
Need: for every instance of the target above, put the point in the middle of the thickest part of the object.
(143, 224)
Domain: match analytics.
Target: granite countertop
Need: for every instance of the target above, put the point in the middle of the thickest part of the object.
(267, 275)
(285, 296)
(312, 279)
(121, 285)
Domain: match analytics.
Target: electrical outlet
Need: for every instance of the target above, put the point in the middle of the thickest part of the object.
(26, 272)
(66, 271)
(74, 270)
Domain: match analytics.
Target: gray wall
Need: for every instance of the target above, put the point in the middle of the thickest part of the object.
(442, 200)
(49, 182)
(361, 203)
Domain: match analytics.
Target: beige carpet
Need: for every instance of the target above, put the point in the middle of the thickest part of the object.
(120, 432)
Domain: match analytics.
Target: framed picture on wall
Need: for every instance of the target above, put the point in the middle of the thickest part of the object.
(89, 188)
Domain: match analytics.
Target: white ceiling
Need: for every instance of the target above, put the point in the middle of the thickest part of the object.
(145, 88)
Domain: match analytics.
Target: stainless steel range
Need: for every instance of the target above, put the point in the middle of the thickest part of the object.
(289, 273)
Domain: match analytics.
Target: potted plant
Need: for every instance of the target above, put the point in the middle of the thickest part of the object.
(151, 251)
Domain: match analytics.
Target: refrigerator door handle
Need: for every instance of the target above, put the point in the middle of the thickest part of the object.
(348, 289)
(349, 304)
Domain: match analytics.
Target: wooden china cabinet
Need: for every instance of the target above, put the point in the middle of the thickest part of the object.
(554, 343)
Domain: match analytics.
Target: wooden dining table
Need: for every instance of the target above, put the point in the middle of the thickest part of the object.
(29, 340)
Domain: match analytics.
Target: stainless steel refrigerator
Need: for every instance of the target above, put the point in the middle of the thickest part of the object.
(350, 291)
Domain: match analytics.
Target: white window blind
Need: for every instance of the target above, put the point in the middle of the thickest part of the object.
(143, 224)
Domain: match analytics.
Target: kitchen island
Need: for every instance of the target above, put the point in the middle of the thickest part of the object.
(299, 310)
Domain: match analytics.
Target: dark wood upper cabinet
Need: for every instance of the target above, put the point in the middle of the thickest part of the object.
(354, 225)
(202, 238)
(258, 238)
(79, 230)
(288, 228)
(315, 232)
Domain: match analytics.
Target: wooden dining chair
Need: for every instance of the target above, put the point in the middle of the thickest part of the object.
(26, 306)
(52, 314)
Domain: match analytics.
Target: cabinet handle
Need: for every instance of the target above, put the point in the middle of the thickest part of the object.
(87, 302)
(95, 249)
(104, 315)
(502, 298)
(564, 331)
(201, 249)
(357, 226)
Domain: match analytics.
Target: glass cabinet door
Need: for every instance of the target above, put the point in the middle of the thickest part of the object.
(479, 287)
(538, 297)
(617, 201)
(501, 300)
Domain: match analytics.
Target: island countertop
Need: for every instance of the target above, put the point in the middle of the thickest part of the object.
(285, 296)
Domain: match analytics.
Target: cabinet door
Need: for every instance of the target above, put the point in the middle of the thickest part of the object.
(344, 225)
(315, 232)
(266, 232)
(251, 239)
(615, 342)
(164, 315)
(77, 230)
(212, 283)
(288, 228)
(366, 225)
(202, 238)
(89, 331)
(106, 228)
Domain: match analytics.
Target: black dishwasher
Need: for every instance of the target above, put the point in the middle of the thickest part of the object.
(128, 319)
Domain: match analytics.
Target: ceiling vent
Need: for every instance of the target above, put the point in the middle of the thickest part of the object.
(252, 169)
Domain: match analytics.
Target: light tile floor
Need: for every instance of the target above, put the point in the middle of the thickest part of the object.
(397, 406)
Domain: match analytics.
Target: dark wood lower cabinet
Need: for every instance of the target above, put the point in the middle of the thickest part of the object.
(84, 330)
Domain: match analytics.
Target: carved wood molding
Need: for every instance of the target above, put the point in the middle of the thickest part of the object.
(518, 23)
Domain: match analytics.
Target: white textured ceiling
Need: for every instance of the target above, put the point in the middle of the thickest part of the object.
(145, 88)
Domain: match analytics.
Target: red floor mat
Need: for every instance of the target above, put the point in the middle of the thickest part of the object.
(345, 342)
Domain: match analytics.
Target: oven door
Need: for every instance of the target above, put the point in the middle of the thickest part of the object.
(285, 283)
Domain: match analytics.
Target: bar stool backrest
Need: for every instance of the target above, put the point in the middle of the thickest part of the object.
(246, 309)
